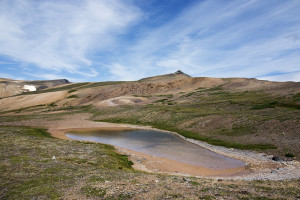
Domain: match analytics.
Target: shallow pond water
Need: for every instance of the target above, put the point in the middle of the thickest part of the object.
(158, 143)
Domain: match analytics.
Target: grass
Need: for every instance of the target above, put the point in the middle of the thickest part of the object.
(265, 105)
(236, 130)
(290, 155)
(84, 170)
(73, 96)
(73, 90)
(28, 171)
(93, 192)
(210, 117)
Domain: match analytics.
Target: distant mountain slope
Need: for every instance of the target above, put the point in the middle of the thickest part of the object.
(9, 87)
(173, 76)
(176, 84)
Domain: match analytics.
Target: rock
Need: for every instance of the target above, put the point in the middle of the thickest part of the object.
(53, 158)
(185, 179)
(277, 158)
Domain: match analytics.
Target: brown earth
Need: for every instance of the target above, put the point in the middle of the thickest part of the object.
(9, 87)
(17, 102)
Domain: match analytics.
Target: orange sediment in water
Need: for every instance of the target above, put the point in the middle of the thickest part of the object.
(157, 151)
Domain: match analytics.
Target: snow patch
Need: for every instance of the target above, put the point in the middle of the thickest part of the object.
(29, 87)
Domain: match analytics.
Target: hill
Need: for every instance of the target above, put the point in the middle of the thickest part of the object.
(256, 117)
(167, 77)
(9, 87)
(232, 110)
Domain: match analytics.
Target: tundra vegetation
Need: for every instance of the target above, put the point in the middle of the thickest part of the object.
(34, 165)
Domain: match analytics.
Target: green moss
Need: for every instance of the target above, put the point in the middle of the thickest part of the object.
(37, 187)
(73, 90)
(297, 96)
(161, 101)
(267, 104)
(290, 155)
(73, 96)
(195, 183)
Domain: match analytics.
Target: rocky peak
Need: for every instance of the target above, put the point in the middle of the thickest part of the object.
(179, 72)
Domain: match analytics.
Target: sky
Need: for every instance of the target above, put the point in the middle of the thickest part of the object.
(106, 40)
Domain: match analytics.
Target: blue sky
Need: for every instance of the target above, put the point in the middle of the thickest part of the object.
(101, 40)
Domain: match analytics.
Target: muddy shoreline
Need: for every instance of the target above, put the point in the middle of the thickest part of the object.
(259, 166)
(157, 164)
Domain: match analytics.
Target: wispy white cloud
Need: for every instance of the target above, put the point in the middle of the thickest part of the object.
(5, 63)
(61, 35)
(48, 76)
(4, 75)
(96, 38)
(293, 76)
(124, 73)
(214, 38)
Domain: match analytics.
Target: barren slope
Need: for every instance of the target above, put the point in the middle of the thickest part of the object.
(9, 87)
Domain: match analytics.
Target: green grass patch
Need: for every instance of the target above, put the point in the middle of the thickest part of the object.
(73, 96)
(216, 88)
(169, 96)
(73, 90)
(297, 96)
(161, 101)
(236, 130)
(27, 170)
(267, 104)
(289, 155)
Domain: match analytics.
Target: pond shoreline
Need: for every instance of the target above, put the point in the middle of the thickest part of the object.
(202, 162)
(259, 166)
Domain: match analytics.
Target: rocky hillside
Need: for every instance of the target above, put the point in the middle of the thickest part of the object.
(9, 87)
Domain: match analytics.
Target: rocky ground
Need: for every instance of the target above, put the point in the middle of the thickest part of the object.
(34, 165)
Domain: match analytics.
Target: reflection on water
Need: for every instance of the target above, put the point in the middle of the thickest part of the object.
(160, 144)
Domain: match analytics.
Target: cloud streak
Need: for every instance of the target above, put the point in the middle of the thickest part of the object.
(213, 38)
(117, 40)
(59, 35)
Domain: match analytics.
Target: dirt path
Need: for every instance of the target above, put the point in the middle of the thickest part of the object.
(259, 166)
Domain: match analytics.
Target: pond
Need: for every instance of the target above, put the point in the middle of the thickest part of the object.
(160, 144)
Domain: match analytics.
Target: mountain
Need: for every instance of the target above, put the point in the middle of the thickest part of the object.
(9, 87)
(173, 76)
